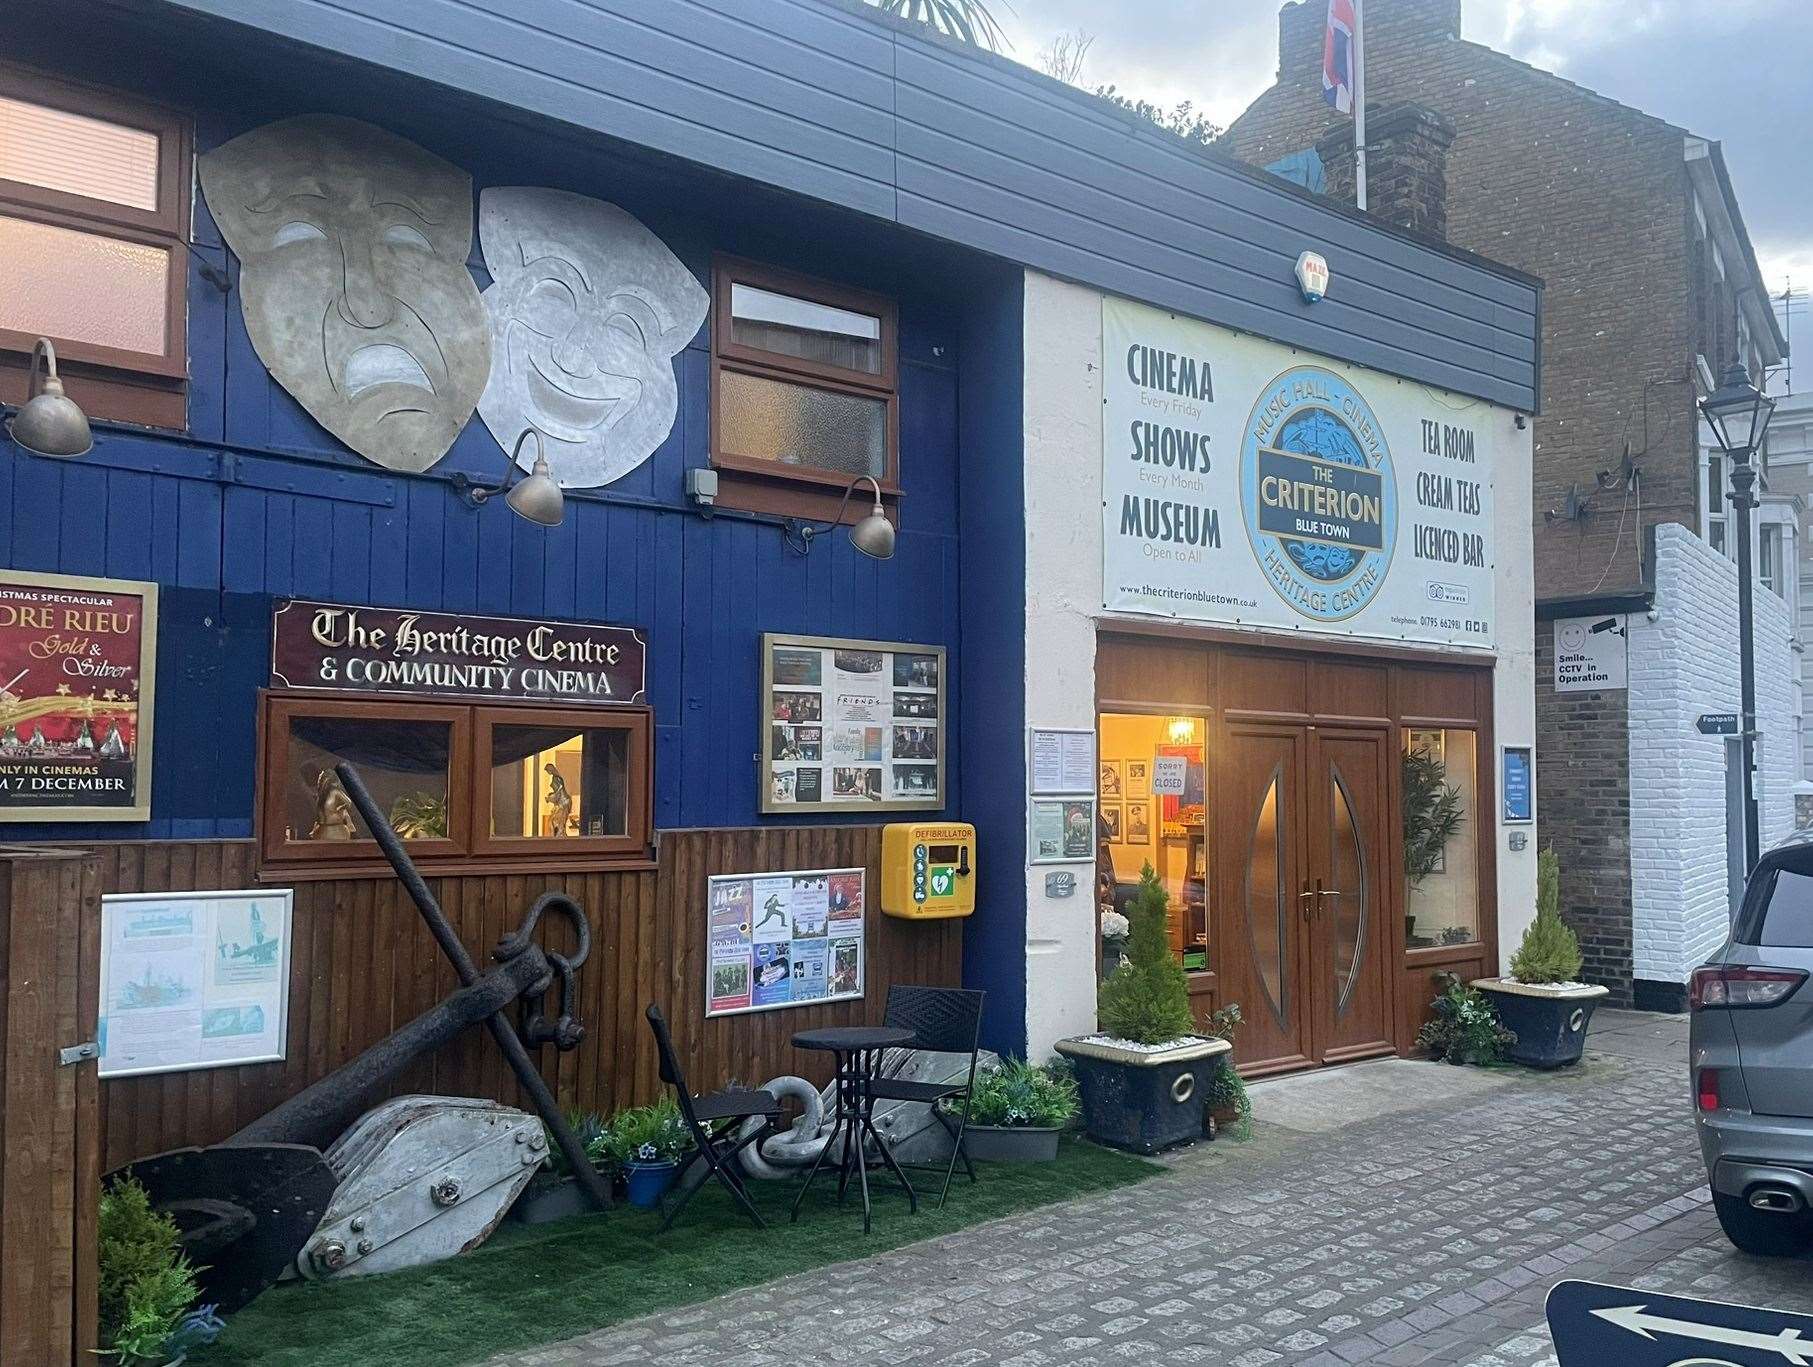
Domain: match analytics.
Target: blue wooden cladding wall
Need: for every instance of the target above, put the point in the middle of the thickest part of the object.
(822, 98)
(257, 502)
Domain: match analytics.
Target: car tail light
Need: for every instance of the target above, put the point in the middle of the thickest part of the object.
(1706, 1089)
(1736, 986)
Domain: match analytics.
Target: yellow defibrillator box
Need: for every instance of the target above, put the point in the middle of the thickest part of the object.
(928, 869)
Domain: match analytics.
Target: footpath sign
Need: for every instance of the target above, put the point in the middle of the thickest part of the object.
(1717, 723)
(1595, 1325)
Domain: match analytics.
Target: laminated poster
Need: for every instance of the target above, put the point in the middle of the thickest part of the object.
(193, 980)
(784, 939)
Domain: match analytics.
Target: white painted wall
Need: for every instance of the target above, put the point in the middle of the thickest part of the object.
(1063, 483)
(1063, 407)
(1683, 664)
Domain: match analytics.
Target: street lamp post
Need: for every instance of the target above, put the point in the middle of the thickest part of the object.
(1738, 413)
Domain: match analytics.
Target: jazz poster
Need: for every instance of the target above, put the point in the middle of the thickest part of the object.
(784, 939)
(78, 660)
(193, 979)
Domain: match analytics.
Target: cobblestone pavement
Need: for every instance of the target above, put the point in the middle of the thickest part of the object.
(1429, 1233)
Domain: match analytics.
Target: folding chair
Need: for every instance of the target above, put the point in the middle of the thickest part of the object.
(944, 1020)
(717, 1147)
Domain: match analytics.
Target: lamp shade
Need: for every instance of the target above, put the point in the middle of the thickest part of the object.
(536, 496)
(874, 535)
(1737, 411)
(50, 423)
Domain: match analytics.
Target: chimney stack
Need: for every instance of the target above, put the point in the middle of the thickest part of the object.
(1406, 166)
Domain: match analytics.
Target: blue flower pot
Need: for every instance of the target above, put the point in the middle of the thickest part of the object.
(647, 1183)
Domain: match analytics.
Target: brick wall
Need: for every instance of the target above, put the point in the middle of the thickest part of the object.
(1583, 806)
(1590, 195)
(1683, 664)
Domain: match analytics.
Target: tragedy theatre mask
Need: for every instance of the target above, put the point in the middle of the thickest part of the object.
(588, 309)
(352, 245)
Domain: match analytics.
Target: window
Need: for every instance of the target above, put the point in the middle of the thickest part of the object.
(1140, 826)
(1441, 836)
(1715, 503)
(458, 783)
(94, 220)
(1769, 559)
(803, 391)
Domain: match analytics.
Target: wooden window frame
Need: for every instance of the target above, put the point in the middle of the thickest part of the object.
(767, 486)
(468, 848)
(111, 383)
(635, 722)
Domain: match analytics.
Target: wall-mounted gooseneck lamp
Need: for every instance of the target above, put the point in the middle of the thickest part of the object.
(49, 422)
(535, 497)
(873, 536)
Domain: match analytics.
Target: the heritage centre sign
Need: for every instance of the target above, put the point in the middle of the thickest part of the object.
(1248, 484)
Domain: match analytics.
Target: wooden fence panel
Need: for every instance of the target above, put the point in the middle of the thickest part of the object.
(363, 963)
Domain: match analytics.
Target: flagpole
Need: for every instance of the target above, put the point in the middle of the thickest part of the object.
(1359, 103)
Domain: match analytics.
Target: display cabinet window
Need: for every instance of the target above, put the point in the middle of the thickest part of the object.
(570, 777)
(94, 222)
(1140, 825)
(1441, 836)
(457, 783)
(803, 388)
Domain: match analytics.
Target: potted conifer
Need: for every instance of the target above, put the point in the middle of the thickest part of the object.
(1543, 1002)
(1141, 1075)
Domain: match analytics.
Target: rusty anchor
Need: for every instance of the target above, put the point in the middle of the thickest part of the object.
(248, 1207)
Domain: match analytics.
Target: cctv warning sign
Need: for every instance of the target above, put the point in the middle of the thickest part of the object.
(1590, 653)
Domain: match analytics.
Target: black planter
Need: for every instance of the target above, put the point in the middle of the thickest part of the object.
(1138, 1100)
(1550, 1022)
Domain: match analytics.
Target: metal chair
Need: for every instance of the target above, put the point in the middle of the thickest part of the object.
(944, 1020)
(717, 1147)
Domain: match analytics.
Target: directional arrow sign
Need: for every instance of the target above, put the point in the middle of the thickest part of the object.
(1593, 1325)
(1717, 723)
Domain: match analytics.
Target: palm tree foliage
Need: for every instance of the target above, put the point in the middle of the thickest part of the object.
(969, 20)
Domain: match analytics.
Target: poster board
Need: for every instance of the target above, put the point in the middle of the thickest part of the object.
(786, 938)
(78, 676)
(193, 979)
(851, 726)
(1061, 781)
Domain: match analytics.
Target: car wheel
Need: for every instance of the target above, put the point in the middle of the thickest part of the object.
(1762, 1233)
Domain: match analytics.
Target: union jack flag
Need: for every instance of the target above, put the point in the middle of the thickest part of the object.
(1337, 56)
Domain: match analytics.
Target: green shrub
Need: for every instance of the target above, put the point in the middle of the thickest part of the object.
(1147, 1000)
(146, 1284)
(1550, 953)
(1466, 1028)
(591, 1131)
(648, 1134)
(1016, 1093)
(1226, 1091)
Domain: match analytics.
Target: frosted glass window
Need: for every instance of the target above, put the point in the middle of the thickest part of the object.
(84, 287)
(795, 424)
(78, 155)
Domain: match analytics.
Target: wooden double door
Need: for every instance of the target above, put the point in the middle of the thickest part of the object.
(1303, 821)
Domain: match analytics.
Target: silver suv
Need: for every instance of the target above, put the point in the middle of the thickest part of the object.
(1750, 1051)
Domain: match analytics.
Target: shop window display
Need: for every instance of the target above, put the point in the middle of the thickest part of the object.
(1144, 820)
(1441, 837)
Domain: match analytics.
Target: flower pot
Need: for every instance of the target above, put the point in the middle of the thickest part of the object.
(647, 1183)
(1549, 1019)
(1012, 1143)
(544, 1202)
(1139, 1097)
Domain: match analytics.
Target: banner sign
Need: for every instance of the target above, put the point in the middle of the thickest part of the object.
(784, 939)
(335, 648)
(1245, 484)
(193, 979)
(78, 660)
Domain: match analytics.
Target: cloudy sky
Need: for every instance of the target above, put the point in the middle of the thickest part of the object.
(1735, 70)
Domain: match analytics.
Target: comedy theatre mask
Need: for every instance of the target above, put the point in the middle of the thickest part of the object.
(588, 309)
(352, 245)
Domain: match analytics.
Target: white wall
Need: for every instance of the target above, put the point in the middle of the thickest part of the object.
(1683, 664)
(1063, 407)
(1063, 484)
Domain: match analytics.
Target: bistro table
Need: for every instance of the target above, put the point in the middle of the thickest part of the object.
(858, 1049)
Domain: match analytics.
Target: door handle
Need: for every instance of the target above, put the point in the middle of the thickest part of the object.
(1309, 900)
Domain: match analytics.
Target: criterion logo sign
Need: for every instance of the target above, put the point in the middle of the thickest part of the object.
(1318, 494)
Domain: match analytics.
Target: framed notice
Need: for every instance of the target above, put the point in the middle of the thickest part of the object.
(1061, 830)
(784, 939)
(851, 726)
(1519, 785)
(193, 979)
(1060, 760)
(78, 664)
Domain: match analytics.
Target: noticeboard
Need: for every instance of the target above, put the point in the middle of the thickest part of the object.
(785, 938)
(851, 726)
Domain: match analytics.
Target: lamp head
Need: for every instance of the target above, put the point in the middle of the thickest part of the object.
(1737, 411)
(536, 496)
(874, 535)
(50, 423)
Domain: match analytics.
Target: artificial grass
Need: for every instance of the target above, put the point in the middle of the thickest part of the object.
(532, 1285)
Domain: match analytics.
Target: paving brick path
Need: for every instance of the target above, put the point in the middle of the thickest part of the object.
(1426, 1234)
